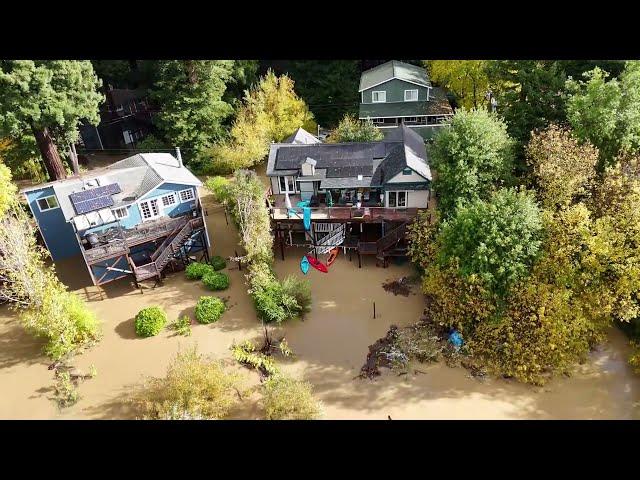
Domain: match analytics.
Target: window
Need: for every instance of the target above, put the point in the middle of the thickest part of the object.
(407, 171)
(379, 96)
(149, 209)
(411, 95)
(287, 182)
(120, 213)
(397, 199)
(168, 200)
(48, 203)
(186, 195)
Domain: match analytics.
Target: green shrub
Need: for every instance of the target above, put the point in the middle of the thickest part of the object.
(289, 399)
(209, 309)
(218, 263)
(216, 280)
(218, 187)
(65, 391)
(196, 270)
(245, 353)
(150, 321)
(300, 290)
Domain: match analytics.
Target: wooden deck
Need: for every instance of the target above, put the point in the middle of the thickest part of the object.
(342, 214)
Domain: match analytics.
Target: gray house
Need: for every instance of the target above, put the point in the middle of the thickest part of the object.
(397, 93)
(392, 173)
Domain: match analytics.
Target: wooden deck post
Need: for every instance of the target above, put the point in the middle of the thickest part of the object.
(281, 235)
(359, 260)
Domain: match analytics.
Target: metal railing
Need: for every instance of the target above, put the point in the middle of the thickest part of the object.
(347, 213)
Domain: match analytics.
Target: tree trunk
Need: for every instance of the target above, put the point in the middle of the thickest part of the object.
(190, 67)
(49, 152)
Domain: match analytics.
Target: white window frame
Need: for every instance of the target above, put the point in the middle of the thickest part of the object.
(47, 200)
(193, 195)
(411, 90)
(167, 196)
(397, 198)
(384, 96)
(158, 207)
(288, 179)
(119, 209)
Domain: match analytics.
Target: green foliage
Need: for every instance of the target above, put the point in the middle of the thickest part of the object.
(197, 270)
(422, 233)
(272, 302)
(182, 326)
(562, 168)
(190, 93)
(466, 79)
(7, 190)
(209, 309)
(245, 353)
(288, 399)
(151, 143)
(194, 388)
(218, 187)
(350, 129)
(215, 280)
(270, 113)
(150, 321)
(300, 290)
(218, 262)
(634, 359)
(472, 158)
(607, 112)
(65, 391)
(330, 87)
(497, 240)
(22, 157)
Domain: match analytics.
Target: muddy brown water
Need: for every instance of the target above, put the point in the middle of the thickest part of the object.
(330, 346)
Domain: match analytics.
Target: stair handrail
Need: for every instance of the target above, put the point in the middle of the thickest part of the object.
(166, 242)
(392, 237)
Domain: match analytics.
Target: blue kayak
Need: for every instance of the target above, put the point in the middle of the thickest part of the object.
(306, 214)
(304, 265)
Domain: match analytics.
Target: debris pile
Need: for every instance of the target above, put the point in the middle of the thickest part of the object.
(398, 287)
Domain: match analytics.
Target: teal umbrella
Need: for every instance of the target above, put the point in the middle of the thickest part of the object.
(329, 200)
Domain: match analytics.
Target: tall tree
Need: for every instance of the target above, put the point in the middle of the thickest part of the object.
(562, 168)
(472, 157)
(607, 112)
(192, 110)
(466, 79)
(48, 98)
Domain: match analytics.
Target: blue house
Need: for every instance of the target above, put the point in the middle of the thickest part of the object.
(130, 219)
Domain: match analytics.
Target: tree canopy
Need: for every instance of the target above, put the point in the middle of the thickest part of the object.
(350, 129)
(466, 79)
(48, 99)
(472, 157)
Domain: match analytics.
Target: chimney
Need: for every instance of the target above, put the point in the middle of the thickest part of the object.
(179, 156)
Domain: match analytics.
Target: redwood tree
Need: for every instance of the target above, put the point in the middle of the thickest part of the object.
(48, 99)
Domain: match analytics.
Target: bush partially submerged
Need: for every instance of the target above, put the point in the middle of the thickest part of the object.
(218, 262)
(209, 309)
(215, 280)
(194, 388)
(275, 301)
(150, 321)
(289, 399)
(182, 326)
(196, 270)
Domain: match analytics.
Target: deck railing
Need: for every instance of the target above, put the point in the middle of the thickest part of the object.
(346, 213)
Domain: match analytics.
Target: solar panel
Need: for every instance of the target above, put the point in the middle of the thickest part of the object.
(94, 199)
(93, 204)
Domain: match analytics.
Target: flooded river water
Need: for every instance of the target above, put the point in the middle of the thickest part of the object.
(330, 346)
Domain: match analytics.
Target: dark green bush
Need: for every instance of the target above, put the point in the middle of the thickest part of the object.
(216, 280)
(218, 263)
(209, 309)
(150, 321)
(196, 270)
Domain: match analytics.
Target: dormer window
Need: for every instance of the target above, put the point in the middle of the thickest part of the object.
(411, 95)
(379, 96)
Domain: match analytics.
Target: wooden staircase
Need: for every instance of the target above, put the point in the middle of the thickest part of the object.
(166, 251)
(387, 245)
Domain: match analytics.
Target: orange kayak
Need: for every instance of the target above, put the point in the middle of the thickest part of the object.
(333, 254)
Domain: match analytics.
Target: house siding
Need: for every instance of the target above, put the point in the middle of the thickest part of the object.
(415, 198)
(402, 178)
(176, 209)
(395, 91)
(59, 236)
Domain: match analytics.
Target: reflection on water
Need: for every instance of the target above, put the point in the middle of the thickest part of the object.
(330, 346)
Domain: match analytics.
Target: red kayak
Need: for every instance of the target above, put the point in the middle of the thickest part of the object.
(317, 264)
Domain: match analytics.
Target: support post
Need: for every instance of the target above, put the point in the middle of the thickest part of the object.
(281, 235)
(374, 310)
(359, 260)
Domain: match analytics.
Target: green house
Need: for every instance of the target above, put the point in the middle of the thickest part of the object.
(397, 93)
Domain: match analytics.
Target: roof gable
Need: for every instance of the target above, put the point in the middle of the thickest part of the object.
(393, 69)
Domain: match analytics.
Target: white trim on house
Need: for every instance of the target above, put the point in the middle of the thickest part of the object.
(184, 200)
(396, 78)
(384, 92)
(47, 198)
(286, 183)
(405, 116)
(411, 100)
(397, 195)
(170, 200)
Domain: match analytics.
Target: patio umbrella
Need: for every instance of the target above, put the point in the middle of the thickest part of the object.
(287, 203)
(329, 200)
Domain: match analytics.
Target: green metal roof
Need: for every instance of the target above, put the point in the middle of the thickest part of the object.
(437, 105)
(393, 69)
